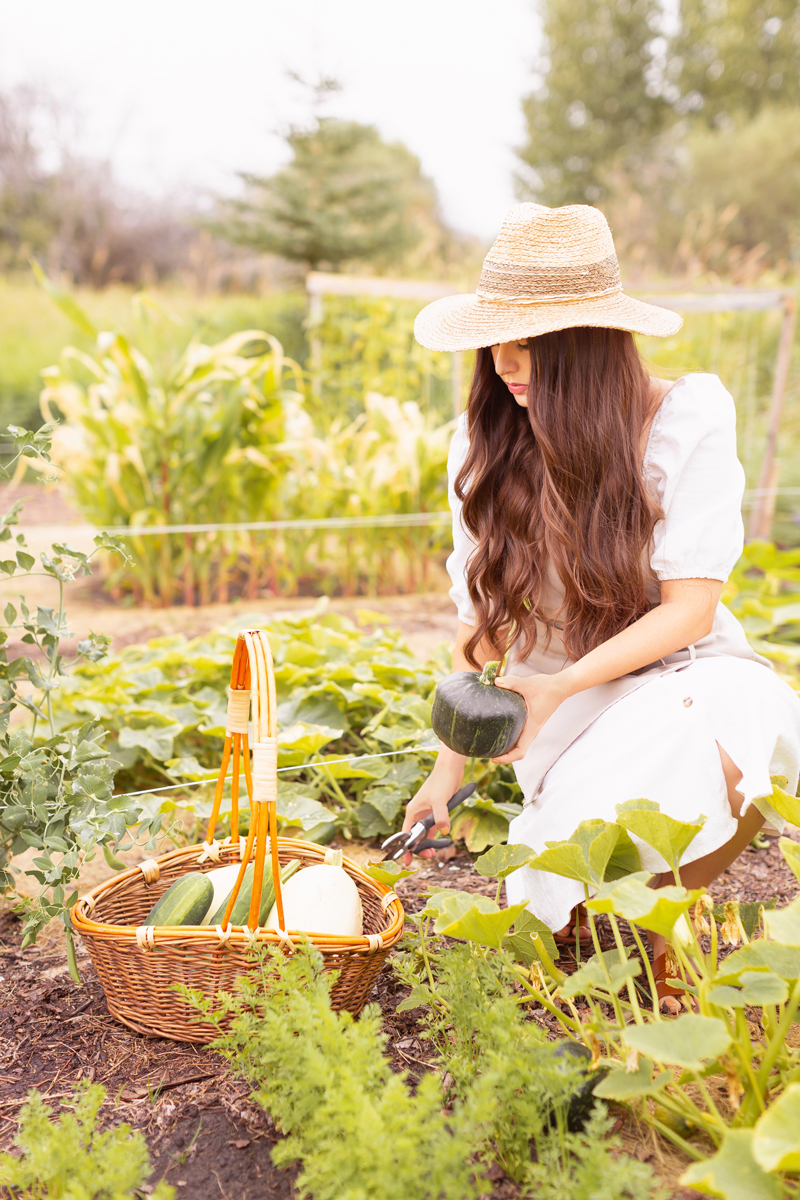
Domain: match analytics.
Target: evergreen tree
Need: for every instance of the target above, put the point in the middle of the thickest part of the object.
(601, 97)
(738, 56)
(347, 197)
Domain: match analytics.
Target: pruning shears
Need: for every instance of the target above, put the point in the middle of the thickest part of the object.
(414, 840)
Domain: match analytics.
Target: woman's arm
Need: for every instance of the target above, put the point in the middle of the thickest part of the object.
(685, 615)
(448, 771)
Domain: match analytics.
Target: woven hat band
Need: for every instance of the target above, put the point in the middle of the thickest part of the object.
(581, 281)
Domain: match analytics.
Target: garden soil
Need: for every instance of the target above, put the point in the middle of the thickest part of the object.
(206, 1137)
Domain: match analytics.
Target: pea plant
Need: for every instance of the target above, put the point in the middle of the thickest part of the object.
(56, 784)
(721, 1082)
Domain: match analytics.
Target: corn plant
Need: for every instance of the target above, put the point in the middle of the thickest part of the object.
(199, 443)
(224, 436)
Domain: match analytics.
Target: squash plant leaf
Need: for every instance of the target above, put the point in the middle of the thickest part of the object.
(762, 955)
(787, 805)
(418, 996)
(656, 909)
(624, 859)
(665, 835)
(471, 917)
(481, 822)
(389, 872)
(500, 861)
(783, 924)
(564, 858)
(733, 1173)
(791, 855)
(519, 940)
(688, 1041)
(479, 924)
(776, 1137)
(593, 974)
(757, 988)
(622, 1085)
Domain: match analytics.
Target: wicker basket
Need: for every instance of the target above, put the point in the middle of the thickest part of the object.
(137, 963)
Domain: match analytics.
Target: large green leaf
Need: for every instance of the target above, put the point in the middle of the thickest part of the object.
(389, 872)
(688, 1041)
(622, 1085)
(480, 822)
(783, 924)
(593, 975)
(791, 854)
(757, 988)
(69, 307)
(473, 918)
(733, 1173)
(787, 805)
(596, 851)
(519, 941)
(624, 859)
(564, 858)
(656, 909)
(481, 926)
(299, 741)
(665, 835)
(500, 861)
(776, 1137)
(784, 961)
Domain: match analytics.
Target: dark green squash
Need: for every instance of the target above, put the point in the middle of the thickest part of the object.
(475, 718)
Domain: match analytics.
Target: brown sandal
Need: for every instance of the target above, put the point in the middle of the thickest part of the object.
(577, 922)
(672, 1001)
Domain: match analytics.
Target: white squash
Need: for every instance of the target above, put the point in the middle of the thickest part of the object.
(321, 899)
(222, 879)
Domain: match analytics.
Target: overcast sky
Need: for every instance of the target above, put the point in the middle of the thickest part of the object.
(183, 93)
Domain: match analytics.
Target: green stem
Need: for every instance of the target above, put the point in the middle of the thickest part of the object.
(489, 672)
(596, 943)
(776, 1043)
(651, 979)
(634, 999)
(675, 1138)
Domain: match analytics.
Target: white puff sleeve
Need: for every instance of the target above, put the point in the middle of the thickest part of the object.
(463, 542)
(691, 463)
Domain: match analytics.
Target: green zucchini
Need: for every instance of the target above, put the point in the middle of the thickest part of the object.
(241, 909)
(475, 718)
(186, 902)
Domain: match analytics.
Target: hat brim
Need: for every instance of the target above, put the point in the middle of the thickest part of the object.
(469, 322)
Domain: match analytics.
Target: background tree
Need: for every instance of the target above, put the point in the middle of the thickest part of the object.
(347, 197)
(600, 97)
(737, 56)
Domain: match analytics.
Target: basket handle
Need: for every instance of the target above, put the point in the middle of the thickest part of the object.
(253, 676)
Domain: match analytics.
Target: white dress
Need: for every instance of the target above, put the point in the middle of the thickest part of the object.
(654, 734)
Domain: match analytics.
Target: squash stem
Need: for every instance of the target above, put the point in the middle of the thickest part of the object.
(489, 672)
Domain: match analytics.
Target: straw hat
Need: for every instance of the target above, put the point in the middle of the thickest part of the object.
(550, 268)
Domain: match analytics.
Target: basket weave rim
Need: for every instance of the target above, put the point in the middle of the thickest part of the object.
(83, 923)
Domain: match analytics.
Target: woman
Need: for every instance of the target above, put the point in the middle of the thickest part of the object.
(596, 516)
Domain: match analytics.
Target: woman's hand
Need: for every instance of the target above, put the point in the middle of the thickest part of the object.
(443, 782)
(542, 695)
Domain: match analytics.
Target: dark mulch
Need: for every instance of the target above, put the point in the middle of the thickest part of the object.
(206, 1137)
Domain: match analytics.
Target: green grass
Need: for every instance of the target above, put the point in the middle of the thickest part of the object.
(33, 332)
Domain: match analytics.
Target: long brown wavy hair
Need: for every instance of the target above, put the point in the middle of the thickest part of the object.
(560, 480)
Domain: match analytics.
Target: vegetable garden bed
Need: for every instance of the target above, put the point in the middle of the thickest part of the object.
(54, 1032)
